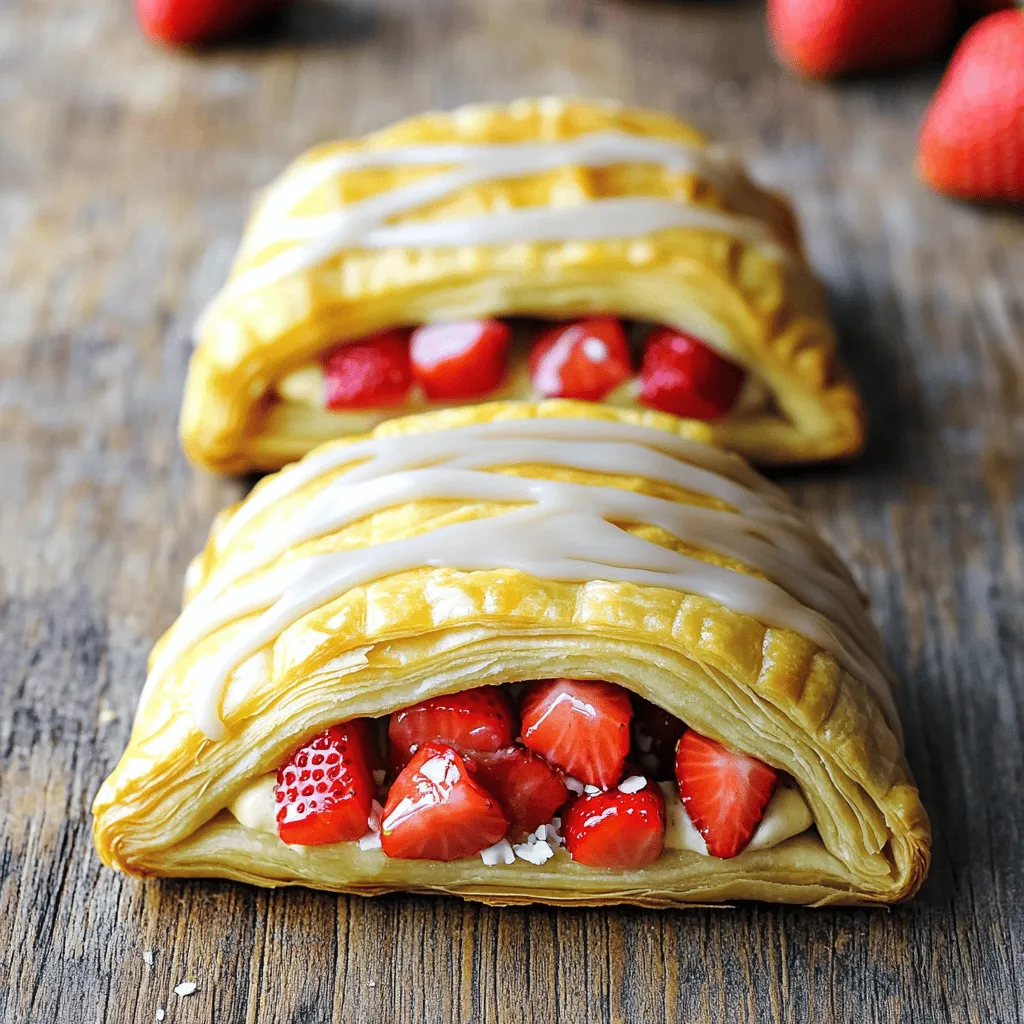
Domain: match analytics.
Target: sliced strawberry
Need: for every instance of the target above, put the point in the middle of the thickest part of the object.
(437, 811)
(655, 735)
(616, 829)
(368, 374)
(460, 360)
(325, 789)
(479, 719)
(582, 726)
(527, 787)
(724, 792)
(586, 359)
(683, 376)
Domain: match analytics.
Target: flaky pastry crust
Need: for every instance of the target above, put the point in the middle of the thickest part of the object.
(379, 647)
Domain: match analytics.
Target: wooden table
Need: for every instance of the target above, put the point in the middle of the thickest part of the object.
(125, 174)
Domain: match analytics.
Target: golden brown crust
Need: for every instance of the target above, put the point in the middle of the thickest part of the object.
(769, 315)
(379, 647)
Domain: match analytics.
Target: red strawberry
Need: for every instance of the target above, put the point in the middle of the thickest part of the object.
(616, 829)
(823, 38)
(479, 719)
(655, 735)
(724, 792)
(528, 788)
(972, 139)
(585, 360)
(368, 374)
(187, 22)
(685, 377)
(436, 811)
(325, 789)
(460, 360)
(580, 725)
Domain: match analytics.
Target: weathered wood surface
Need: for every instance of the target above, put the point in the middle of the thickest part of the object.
(124, 179)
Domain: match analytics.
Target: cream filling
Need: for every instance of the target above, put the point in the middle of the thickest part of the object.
(786, 815)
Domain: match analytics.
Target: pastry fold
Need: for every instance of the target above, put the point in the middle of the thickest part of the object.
(509, 542)
(584, 208)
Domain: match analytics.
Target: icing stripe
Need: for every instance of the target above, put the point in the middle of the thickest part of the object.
(365, 223)
(551, 529)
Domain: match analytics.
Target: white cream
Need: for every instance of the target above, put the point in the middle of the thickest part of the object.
(368, 223)
(255, 806)
(786, 815)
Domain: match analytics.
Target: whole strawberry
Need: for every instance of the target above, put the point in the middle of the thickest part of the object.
(972, 139)
(192, 22)
(826, 38)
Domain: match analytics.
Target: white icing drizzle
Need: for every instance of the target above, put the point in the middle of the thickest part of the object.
(553, 530)
(365, 223)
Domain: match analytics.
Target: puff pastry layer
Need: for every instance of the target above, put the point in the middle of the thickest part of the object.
(508, 542)
(545, 208)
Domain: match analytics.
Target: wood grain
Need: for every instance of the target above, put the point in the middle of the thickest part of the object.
(125, 174)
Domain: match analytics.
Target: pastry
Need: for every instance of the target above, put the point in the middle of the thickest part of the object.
(545, 249)
(516, 652)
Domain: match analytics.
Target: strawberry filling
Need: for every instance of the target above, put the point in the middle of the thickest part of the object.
(586, 359)
(469, 770)
(682, 376)
(325, 789)
(368, 374)
(460, 360)
(617, 829)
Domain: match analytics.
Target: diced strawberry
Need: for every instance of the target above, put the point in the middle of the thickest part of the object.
(724, 791)
(368, 374)
(479, 719)
(437, 811)
(325, 789)
(188, 22)
(683, 376)
(616, 829)
(460, 360)
(527, 787)
(582, 726)
(655, 735)
(586, 359)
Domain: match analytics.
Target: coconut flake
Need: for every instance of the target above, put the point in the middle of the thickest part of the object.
(499, 853)
(371, 841)
(376, 813)
(534, 851)
(160, 1013)
(591, 790)
(573, 785)
(149, 957)
(633, 784)
(186, 988)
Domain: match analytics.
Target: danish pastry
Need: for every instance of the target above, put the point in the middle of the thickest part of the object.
(546, 249)
(552, 652)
